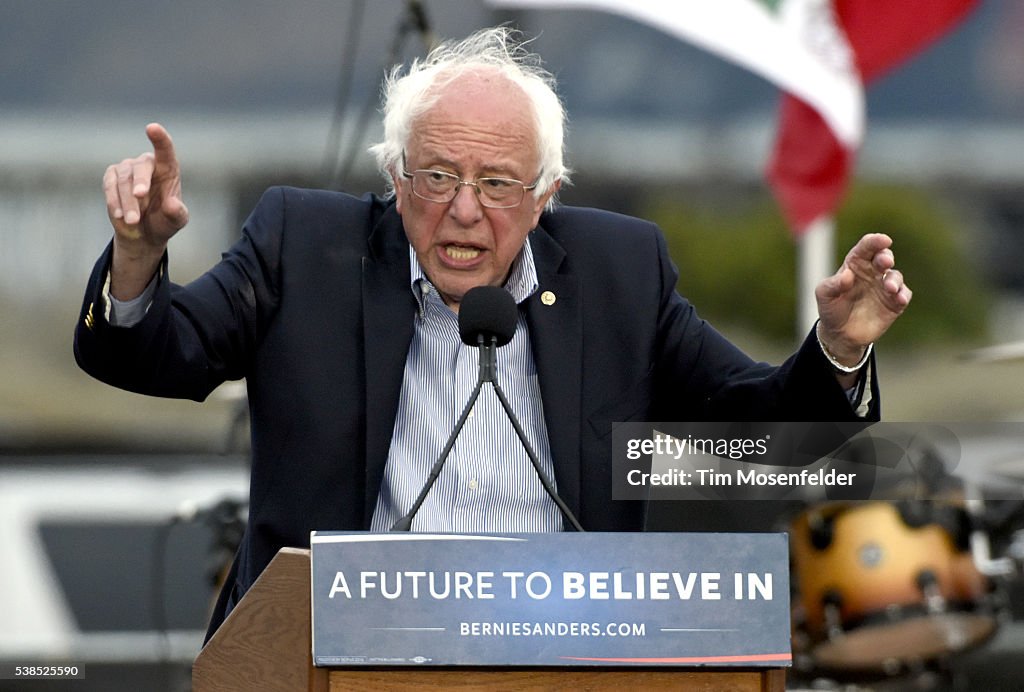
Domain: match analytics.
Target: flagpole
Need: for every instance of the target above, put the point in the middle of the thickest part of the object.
(815, 257)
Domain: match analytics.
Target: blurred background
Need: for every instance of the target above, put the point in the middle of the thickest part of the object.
(117, 511)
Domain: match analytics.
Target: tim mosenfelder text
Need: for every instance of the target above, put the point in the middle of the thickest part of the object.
(740, 477)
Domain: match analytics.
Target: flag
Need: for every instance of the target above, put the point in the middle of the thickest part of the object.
(820, 52)
(791, 43)
(811, 163)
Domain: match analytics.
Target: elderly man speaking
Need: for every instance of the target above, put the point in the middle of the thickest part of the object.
(341, 313)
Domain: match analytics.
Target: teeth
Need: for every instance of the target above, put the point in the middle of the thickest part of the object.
(461, 253)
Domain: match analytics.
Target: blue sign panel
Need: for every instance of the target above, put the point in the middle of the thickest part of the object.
(594, 599)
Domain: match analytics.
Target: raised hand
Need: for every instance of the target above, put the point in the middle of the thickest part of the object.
(858, 303)
(146, 209)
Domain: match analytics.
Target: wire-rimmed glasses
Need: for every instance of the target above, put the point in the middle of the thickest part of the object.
(441, 187)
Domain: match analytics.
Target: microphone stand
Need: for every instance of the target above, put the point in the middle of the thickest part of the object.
(488, 373)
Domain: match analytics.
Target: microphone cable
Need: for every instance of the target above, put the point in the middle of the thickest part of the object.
(487, 320)
(344, 93)
(414, 19)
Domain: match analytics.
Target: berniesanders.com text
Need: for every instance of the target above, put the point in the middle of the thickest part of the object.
(552, 629)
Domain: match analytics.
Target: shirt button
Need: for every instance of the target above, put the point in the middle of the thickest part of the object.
(473, 484)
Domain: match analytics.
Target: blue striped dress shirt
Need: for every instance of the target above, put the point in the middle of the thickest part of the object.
(487, 483)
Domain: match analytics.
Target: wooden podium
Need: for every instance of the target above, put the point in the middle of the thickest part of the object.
(266, 644)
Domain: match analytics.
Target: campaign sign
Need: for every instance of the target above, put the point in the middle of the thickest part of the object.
(592, 599)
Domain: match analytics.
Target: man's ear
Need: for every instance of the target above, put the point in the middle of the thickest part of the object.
(396, 183)
(540, 202)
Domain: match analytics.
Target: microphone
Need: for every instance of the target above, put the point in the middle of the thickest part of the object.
(487, 320)
(487, 311)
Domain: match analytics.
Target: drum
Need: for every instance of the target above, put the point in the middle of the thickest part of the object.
(883, 588)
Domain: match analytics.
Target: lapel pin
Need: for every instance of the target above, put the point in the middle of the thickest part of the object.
(548, 298)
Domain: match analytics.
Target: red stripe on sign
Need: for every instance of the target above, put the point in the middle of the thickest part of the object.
(749, 658)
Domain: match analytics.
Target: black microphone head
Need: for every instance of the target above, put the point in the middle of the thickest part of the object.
(490, 311)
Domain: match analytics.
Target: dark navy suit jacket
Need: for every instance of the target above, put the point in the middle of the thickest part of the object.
(313, 307)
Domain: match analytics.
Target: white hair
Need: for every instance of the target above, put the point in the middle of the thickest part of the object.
(409, 95)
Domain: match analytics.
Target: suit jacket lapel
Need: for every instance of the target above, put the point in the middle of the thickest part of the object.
(556, 335)
(388, 309)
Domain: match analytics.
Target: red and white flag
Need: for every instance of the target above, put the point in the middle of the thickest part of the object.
(811, 163)
(820, 52)
(791, 43)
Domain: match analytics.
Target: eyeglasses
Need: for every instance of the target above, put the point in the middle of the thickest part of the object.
(441, 187)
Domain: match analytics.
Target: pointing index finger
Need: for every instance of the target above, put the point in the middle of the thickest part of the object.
(163, 147)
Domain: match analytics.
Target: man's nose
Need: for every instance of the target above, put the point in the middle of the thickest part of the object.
(465, 207)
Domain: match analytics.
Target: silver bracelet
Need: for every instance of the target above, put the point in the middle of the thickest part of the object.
(832, 359)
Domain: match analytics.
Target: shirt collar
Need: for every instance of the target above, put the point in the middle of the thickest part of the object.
(522, 280)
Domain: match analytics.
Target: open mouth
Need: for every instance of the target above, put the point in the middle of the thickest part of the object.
(461, 253)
